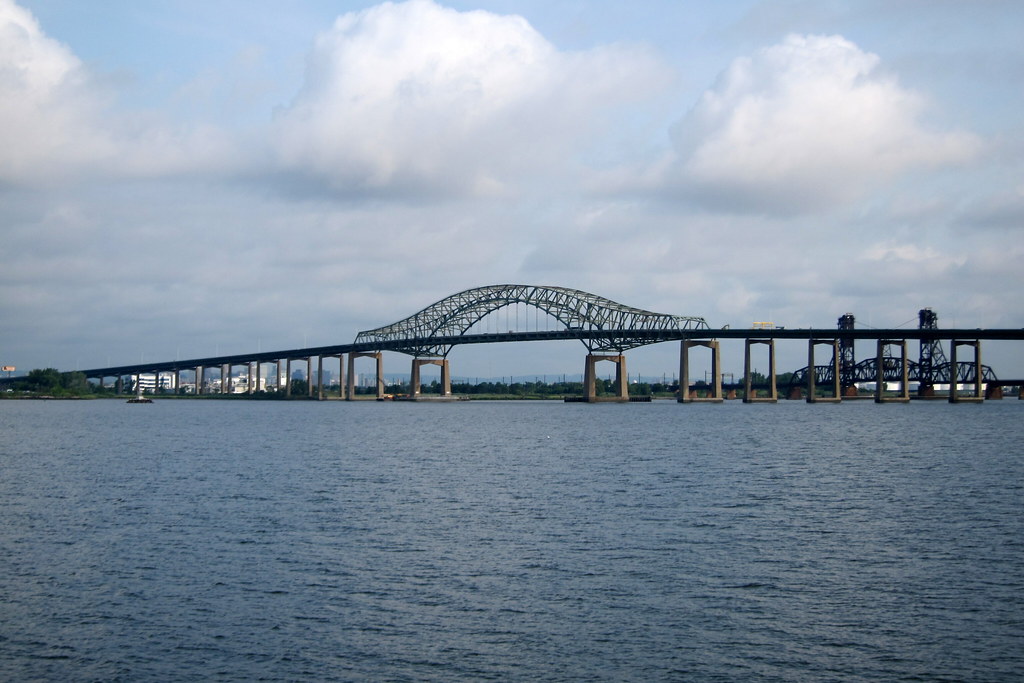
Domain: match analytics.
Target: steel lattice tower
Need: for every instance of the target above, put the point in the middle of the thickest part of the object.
(931, 350)
(847, 358)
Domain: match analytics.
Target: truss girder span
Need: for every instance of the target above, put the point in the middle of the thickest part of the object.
(867, 371)
(453, 316)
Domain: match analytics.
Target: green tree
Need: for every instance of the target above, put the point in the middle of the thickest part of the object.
(45, 380)
(74, 382)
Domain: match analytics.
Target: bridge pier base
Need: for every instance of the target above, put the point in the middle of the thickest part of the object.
(880, 396)
(715, 390)
(977, 394)
(350, 393)
(590, 378)
(773, 389)
(837, 394)
(414, 377)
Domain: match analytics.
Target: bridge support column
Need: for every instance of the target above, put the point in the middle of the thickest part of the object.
(309, 376)
(978, 393)
(225, 379)
(904, 396)
(715, 390)
(288, 378)
(351, 392)
(748, 391)
(341, 375)
(590, 378)
(414, 376)
(837, 394)
(319, 378)
(200, 377)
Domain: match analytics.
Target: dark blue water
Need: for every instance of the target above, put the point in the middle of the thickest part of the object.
(237, 541)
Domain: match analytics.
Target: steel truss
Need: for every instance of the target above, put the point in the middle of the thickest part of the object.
(892, 371)
(576, 310)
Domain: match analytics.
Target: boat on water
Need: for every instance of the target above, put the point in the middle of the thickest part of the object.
(139, 398)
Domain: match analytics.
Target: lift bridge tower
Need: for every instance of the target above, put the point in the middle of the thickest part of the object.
(931, 357)
(847, 357)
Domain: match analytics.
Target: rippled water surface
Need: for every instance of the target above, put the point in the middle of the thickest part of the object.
(521, 541)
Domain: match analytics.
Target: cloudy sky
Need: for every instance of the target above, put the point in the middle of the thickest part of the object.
(185, 178)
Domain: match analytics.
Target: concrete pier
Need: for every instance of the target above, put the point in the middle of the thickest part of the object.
(414, 376)
(904, 396)
(351, 391)
(773, 390)
(590, 378)
(715, 390)
(837, 394)
(978, 393)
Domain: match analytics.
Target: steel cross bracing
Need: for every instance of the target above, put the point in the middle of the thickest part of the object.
(576, 310)
(892, 371)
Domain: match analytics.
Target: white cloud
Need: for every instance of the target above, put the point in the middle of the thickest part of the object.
(57, 121)
(418, 96)
(45, 107)
(805, 124)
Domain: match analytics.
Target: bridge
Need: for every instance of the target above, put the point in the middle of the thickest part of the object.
(607, 329)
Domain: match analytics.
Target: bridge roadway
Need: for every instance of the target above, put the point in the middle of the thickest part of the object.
(649, 337)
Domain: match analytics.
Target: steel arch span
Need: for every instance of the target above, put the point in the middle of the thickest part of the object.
(453, 316)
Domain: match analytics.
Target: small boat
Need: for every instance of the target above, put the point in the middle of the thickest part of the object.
(139, 398)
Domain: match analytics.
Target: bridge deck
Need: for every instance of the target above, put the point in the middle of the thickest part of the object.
(650, 337)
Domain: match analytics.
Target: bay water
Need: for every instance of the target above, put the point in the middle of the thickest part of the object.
(516, 541)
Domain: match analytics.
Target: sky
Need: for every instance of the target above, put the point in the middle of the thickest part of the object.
(182, 179)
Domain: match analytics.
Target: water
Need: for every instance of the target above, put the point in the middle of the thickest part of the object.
(238, 541)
